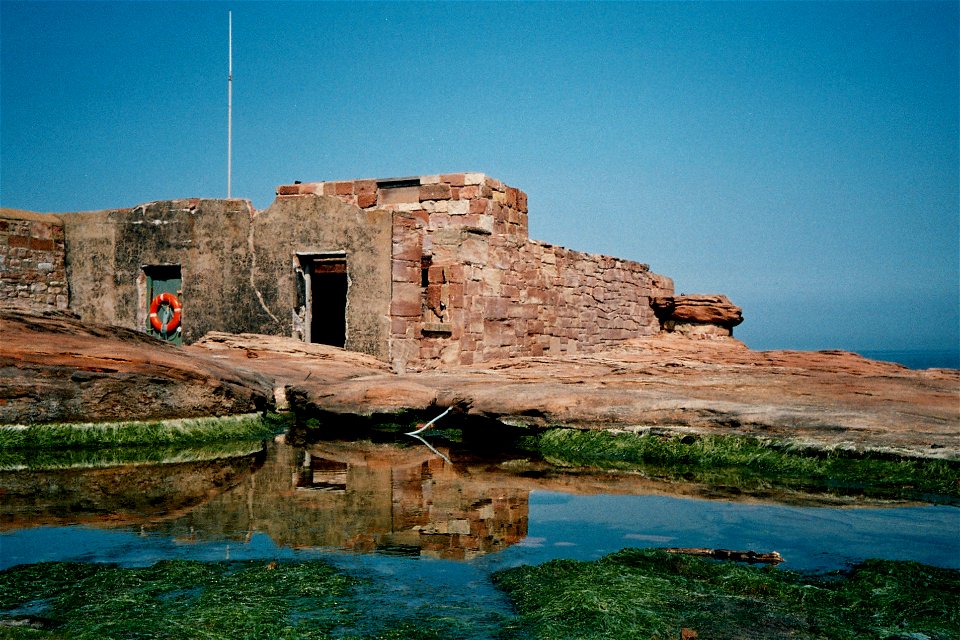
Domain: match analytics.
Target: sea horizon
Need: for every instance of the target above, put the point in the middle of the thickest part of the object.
(942, 358)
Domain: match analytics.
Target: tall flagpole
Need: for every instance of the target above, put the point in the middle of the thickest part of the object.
(230, 102)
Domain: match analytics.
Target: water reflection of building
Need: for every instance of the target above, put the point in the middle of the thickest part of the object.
(425, 506)
(367, 498)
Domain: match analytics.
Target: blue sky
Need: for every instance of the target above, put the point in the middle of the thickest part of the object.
(800, 157)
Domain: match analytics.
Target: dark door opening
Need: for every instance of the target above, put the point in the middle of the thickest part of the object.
(328, 301)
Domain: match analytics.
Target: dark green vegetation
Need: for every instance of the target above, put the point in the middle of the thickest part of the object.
(651, 594)
(632, 594)
(750, 463)
(52, 446)
(182, 600)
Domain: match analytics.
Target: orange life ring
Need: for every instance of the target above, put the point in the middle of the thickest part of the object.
(175, 305)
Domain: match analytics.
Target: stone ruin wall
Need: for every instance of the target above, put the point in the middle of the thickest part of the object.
(469, 286)
(491, 297)
(32, 261)
(422, 208)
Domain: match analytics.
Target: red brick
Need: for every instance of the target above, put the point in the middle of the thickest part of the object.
(329, 189)
(453, 179)
(437, 274)
(288, 190)
(433, 297)
(406, 309)
(41, 244)
(365, 186)
(19, 241)
(365, 200)
(405, 271)
(343, 188)
(479, 206)
(511, 197)
(438, 191)
(454, 193)
(522, 201)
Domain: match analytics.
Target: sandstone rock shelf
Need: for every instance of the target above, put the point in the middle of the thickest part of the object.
(52, 367)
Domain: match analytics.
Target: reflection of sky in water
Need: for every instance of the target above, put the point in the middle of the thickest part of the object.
(580, 527)
(588, 527)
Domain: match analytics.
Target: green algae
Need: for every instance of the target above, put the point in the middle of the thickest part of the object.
(632, 594)
(168, 433)
(178, 600)
(214, 600)
(753, 463)
(652, 594)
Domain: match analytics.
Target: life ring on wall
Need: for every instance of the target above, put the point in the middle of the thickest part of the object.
(175, 306)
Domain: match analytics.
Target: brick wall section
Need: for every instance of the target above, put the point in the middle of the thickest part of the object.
(506, 298)
(469, 286)
(406, 304)
(32, 256)
(438, 201)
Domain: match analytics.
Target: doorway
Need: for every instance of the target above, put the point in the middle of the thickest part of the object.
(327, 299)
(164, 302)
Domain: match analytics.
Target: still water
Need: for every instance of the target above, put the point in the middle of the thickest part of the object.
(392, 508)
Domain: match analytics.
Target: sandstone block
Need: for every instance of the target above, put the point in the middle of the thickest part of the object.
(700, 309)
(366, 200)
(439, 191)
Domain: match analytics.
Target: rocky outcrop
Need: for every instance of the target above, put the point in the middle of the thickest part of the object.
(664, 383)
(697, 315)
(54, 368)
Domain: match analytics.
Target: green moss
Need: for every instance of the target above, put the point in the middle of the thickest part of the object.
(751, 463)
(652, 594)
(180, 432)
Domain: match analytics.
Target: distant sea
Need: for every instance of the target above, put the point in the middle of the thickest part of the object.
(917, 358)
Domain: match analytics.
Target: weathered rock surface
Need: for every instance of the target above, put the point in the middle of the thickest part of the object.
(54, 368)
(700, 309)
(824, 398)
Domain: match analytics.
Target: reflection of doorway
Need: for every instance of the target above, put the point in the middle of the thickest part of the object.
(164, 302)
(326, 303)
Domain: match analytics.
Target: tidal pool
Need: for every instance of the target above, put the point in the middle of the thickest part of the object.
(431, 525)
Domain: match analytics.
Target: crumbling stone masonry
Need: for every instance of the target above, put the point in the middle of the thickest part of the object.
(469, 286)
(421, 272)
(32, 271)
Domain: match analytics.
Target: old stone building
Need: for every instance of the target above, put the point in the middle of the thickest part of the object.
(420, 272)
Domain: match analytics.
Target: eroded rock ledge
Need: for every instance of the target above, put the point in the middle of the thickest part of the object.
(52, 367)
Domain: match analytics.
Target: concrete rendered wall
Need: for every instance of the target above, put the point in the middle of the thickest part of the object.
(107, 251)
(323, 225)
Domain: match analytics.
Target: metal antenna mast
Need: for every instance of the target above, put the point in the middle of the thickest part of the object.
(230, 102)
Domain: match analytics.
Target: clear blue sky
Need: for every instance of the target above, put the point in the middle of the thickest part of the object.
(800, 157)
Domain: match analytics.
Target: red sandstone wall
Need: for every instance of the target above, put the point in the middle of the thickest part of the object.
(32, 271)
(502, 298)
(468, 285)
(439, 201)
